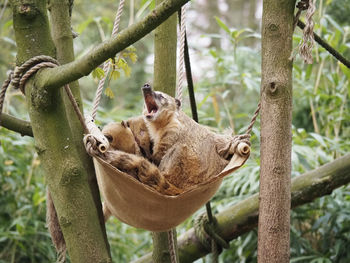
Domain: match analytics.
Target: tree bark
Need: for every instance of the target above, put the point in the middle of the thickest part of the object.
(242, 217)
(17, 125)
(57, 77)
(63, 39)
(65, 173)
(276, 135)
(164, 79)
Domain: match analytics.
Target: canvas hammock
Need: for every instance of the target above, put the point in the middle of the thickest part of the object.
(135, 203)
(139, 205)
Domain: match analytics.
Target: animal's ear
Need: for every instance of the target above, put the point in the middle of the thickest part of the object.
(178, 103)
(124, 124)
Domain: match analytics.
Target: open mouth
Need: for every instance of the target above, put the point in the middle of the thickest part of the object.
(150, 105)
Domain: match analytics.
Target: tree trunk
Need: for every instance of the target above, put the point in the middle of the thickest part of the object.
(242, 217)
(65, 172)
(164, 80)
(276, 135)
(63, 39)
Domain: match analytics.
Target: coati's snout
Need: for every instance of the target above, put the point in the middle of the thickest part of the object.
(150, 101)
(159, 106)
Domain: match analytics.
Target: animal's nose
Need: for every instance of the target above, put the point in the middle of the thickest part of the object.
(146, 89)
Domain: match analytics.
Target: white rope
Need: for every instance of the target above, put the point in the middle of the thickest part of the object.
(181, 70)
(107, 63)
(305, 48)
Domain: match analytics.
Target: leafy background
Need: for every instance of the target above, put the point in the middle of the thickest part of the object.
(225, 52)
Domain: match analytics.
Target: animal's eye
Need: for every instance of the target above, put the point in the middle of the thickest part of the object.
(109, 137)
(161, 96)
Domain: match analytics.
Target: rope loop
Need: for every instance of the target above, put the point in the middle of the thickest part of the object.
(30, 67)
(206, 232)
(307, 42)
(303, 5)
(22, 73)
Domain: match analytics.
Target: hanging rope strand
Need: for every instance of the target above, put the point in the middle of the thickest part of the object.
(181, 71)
(251, 124)
(305, 48)
(3, 90)
(107, 63)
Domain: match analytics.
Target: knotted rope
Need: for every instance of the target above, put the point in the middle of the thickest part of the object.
(307, 42)
(107, 63)
(305, 48)
(29, 68)
(206, 233)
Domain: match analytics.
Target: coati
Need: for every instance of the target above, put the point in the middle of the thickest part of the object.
(185, 152)
(132, 137)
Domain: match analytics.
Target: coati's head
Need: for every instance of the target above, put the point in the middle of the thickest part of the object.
(120, 137)
(159, 107)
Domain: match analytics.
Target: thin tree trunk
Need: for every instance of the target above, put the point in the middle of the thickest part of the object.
(242, 217)
(65, 173)
(63, 39)
(164, 80)
(276, 135)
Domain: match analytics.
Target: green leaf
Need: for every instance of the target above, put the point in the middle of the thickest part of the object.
(82, 26)
(346, 72)
(308, 72)
(115, 75)
(109, 93)
(122, 64)
(133, 57)
(98, 73)
(222, 25)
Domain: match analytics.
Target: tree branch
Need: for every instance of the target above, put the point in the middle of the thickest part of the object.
(243, 217)
(17, 125)
(57, 77)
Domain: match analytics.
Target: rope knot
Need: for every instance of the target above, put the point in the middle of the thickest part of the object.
(303, 4)
(206, 232)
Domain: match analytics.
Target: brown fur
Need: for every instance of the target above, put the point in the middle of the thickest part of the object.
(187, 153)
(139, 129)
(123, 139)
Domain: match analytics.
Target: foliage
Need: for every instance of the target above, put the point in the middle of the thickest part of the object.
(23, 236)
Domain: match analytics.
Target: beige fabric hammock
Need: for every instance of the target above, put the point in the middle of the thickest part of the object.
(139, 205)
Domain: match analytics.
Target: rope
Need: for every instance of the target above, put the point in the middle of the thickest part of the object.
(304, 5)
(189, 76)
(3, 91)
(326, 46)
(107, 63)
(301, 5)
(205, 231)
(256, 113)
(181, 57)
(172, 248)
(26, 70)
(305, 49)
